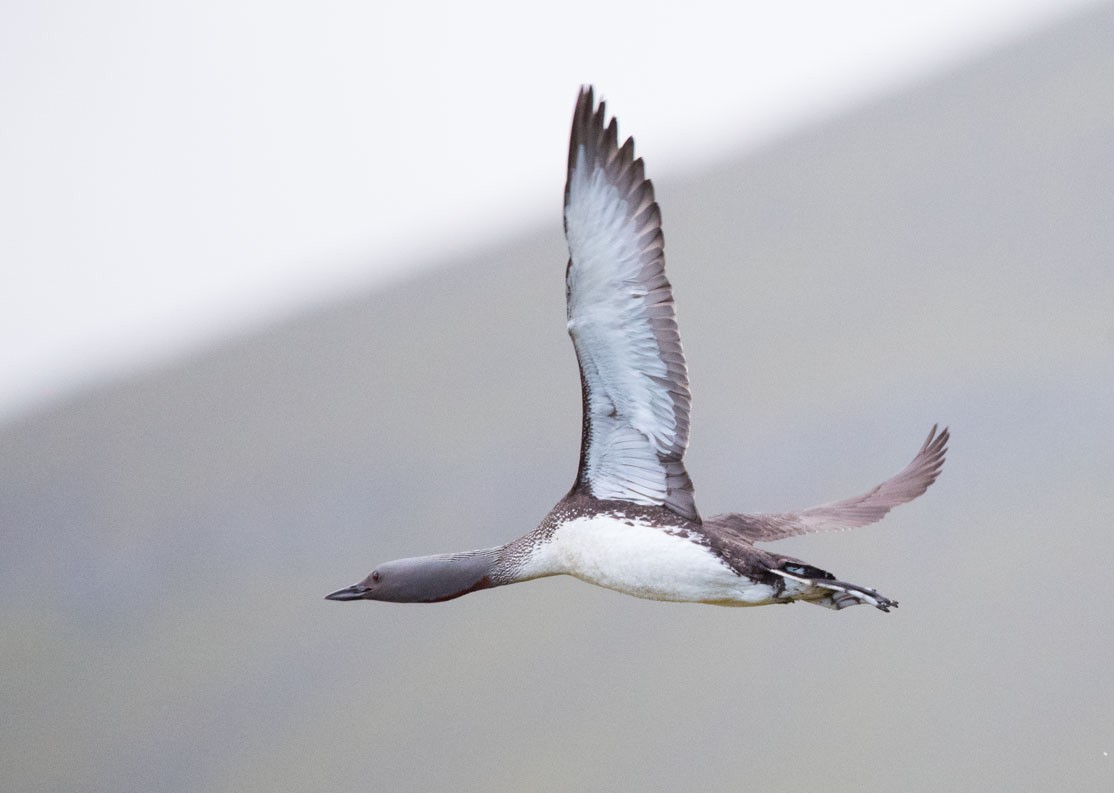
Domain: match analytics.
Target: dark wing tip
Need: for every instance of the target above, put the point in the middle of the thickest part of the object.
(582, 121)
(603, 147)
(932, 455)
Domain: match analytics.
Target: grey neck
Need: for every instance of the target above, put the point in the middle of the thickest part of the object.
(431, 579)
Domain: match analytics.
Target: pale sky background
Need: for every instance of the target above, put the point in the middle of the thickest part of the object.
(173, 173)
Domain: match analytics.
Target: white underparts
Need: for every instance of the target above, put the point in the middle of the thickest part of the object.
(633, 557)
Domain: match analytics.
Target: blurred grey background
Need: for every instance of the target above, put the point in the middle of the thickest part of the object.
(946, 254)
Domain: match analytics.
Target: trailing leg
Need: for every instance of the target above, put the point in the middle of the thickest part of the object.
(813, 585)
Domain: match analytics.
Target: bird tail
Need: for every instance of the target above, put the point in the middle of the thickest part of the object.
(813, 585)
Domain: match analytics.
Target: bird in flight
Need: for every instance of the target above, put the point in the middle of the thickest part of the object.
(630, 522)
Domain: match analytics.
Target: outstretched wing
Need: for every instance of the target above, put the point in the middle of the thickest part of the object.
(849, 513)
(622, 323)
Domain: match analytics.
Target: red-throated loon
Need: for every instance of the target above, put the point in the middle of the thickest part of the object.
(630, 522)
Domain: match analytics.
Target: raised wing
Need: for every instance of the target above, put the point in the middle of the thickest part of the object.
(622, 323)
(849, 513)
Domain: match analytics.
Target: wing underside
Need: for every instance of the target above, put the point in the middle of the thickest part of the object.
(623, 324)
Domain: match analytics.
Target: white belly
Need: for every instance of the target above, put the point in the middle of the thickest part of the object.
(632, 557)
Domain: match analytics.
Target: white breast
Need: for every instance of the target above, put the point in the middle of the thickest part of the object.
(630, 556)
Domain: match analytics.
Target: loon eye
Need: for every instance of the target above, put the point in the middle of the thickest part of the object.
(375, 576)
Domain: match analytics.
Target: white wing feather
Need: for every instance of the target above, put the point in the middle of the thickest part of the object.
(623, 325)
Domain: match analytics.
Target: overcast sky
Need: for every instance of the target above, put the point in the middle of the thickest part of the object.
(175, 172)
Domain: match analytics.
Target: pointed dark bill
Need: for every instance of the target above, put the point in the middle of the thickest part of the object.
(354, 592)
